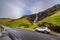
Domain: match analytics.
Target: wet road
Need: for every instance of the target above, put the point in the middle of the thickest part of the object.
(20, 34)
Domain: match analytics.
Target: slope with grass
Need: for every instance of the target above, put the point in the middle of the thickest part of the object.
(55, 19)
(5, 21)
(23, 22)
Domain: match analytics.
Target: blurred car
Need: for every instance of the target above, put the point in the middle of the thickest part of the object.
(43, 29)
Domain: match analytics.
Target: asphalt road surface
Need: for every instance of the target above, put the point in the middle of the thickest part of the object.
(21, 34)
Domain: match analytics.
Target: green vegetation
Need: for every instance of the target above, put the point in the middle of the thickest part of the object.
(54, 19)
(23, 22)
(4, 21)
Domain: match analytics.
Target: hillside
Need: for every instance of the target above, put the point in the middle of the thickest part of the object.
(55, 19)
(23, 22)
(53, 22)
(4, 21)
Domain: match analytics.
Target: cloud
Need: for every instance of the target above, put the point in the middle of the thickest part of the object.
(37, 7)
(43, 5)
(11, 11)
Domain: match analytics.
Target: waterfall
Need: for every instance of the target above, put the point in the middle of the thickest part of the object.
(35, 20)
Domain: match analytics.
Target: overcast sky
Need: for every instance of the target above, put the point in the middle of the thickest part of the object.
(18, 8)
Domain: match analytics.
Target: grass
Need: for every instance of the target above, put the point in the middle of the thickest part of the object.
(55, 19)
(20, 23)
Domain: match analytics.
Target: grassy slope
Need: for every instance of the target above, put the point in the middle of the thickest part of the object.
(20, 22)
(55, 19)
(5, 21)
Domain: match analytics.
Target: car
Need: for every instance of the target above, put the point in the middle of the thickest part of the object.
(43, 29)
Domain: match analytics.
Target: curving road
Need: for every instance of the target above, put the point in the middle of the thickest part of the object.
(21, 34)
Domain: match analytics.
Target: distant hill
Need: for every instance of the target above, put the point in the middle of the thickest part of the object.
(20, 22)
(4, 21)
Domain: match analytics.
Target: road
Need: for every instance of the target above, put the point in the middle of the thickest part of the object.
(21, 34)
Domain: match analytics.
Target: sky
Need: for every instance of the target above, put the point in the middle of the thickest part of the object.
(18, 8)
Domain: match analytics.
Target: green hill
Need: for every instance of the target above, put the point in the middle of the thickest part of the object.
(5, 21)
(22, 22)
(55, 19)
